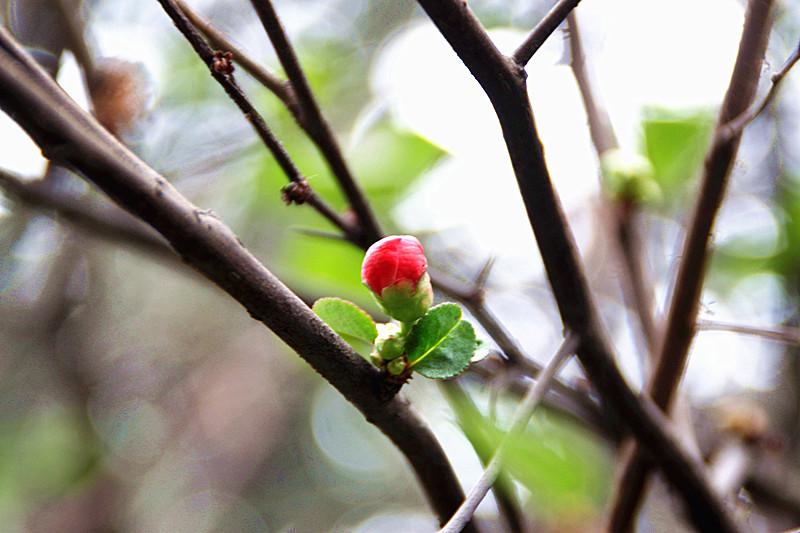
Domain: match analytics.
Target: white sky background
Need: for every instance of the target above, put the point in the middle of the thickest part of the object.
(642, 52)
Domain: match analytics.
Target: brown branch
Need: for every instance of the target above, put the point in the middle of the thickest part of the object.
(635, 288)
(120, 227)
(279, 87)
(522, 416)
(313, 122)
(549, 23)
(222, 72)
(683, 307)
(735, 127)
(785, 335)
(65, 132)
(503, 80)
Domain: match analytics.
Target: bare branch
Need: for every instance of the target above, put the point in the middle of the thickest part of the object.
(310, 117)
(735, 126)
(636, 289)
(503, 80)
(281, 88)
(521, 418)
(551, 21)
(66, 132)
(683, 307)
(124, 229)
(784, 335)
(222, 71)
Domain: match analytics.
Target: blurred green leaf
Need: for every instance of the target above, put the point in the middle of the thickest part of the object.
(320, 266)
(675, 142)
(347, 320)
(388, 160)
(787, 262)
(42, 455)
(441, 345)
(560, 464)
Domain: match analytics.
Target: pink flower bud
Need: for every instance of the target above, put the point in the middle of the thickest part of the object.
(395, 269)
(392, 260)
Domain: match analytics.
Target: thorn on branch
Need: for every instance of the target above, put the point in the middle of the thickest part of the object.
(296, 192)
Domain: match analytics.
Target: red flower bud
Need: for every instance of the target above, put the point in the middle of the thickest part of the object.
(392, 260)
(395, 269)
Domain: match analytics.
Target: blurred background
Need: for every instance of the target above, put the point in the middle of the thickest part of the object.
(137, 397)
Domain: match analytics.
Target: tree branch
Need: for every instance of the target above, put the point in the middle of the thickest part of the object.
(735, 126)
(683, 307)
(279, 87)
(68, 134)
(523, 415)
(549, 23)
(503, 80)
(312, 121)
(126, 230)
(223, 73)
(629, 246)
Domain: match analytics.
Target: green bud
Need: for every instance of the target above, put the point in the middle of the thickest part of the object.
(628, 176)
(397, 366)
(390, 343)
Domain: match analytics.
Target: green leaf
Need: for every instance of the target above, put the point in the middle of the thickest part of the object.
(347, 320)
(441, 345)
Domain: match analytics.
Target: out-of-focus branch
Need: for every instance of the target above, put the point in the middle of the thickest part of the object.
(66, 133)
(310, 117)
(472, 296)
(222, 71)
(503, 489)
(503, 80)
(637, 289)
(735, 126)
(523, 415)
(122, 229)
(681, 319)
(785, 335)
(543, 30)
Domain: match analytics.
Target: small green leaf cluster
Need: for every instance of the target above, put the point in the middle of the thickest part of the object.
(438, 345)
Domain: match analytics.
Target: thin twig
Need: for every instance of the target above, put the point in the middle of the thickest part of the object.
(683, 306)
(121, 227)
(63, 130)
(636, 289)
(521, 418)
(281, 88)
(735, 126)
(316, 126)
(543, 30)
(472, 297)
(600, 129)
(468, 416)
(223, 74)
(75, 27)
(503, 81)
(783, 335)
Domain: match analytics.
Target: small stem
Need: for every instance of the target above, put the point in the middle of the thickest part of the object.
(405, 327)
(225, 78)
(281, 88)
(521, 418)
(543, 30)
(316, 126)
(735, 126)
